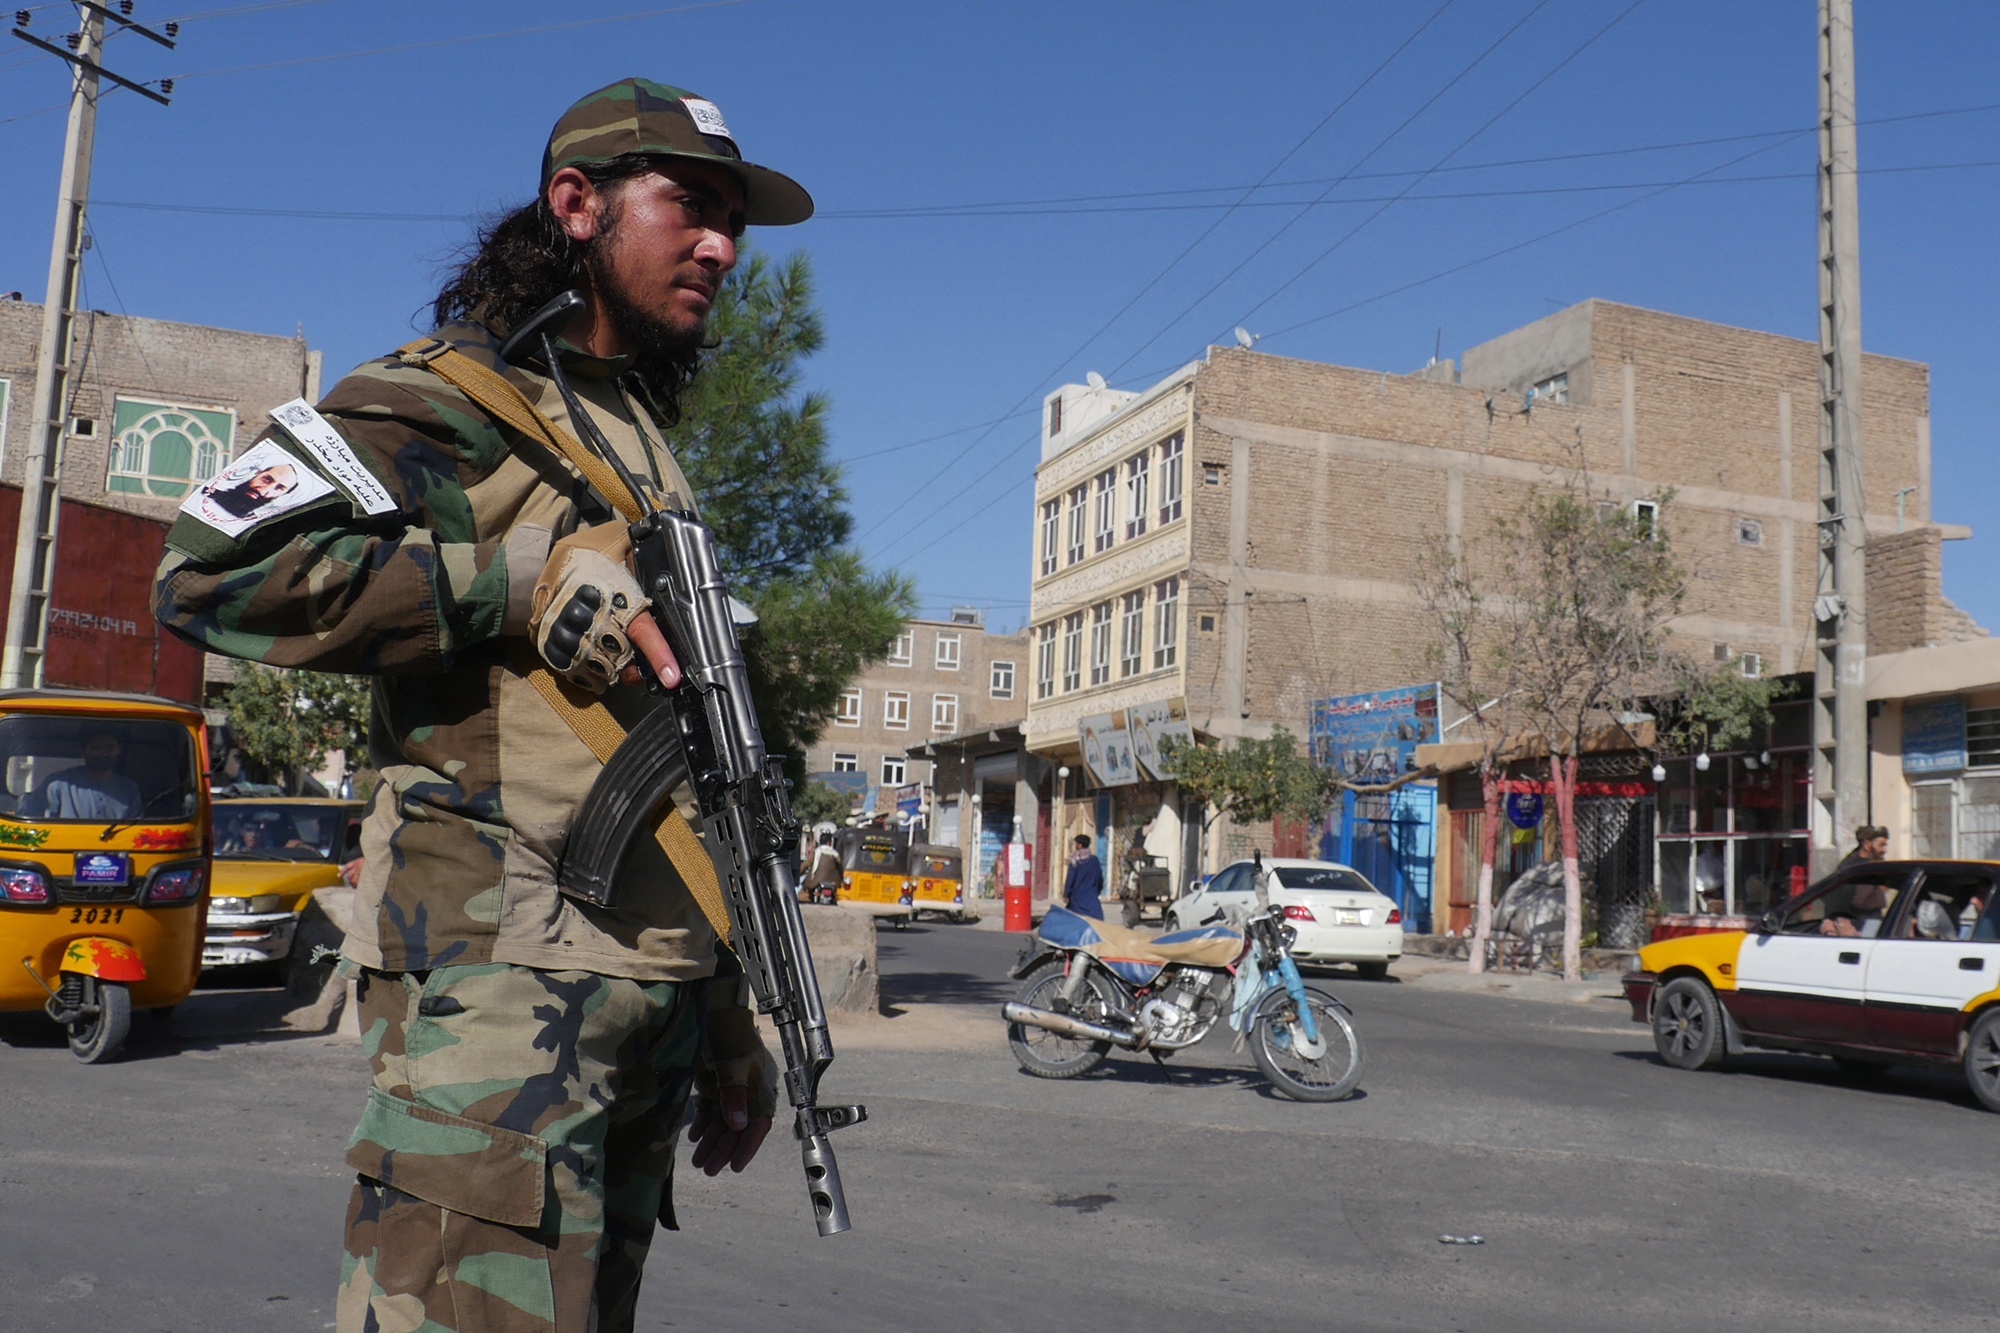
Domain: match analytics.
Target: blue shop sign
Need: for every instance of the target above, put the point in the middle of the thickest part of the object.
(1524, 808)
(1934, 736)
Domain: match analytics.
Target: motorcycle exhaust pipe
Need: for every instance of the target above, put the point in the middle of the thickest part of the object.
(1066, 1026)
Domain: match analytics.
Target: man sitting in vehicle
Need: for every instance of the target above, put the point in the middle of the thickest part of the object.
(1861, 916)
(94, 790)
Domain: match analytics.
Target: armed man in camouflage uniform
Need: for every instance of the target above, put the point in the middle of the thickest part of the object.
(532, 1054)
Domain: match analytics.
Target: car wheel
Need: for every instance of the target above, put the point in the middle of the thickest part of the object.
(1687, 1025)
(1982, 1059)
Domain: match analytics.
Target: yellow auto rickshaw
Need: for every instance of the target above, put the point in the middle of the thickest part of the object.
(104, 858)
(939, 873)
(874, 873)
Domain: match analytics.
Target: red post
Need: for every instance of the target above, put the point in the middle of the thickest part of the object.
(1020, 912)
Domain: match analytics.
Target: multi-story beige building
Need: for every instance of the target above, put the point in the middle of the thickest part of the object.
(1239, 539)
(157, 407)
(941, 678)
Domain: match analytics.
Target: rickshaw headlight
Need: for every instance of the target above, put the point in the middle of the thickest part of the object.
(176, 885)
(21, 885)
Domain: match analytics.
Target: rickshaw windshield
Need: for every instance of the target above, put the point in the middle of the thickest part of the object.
(97, 770)
(249, 831)
(939, 867)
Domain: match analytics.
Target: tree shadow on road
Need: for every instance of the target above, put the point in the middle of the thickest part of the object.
(220, 1013)
(1141, 1071)
(1907, 1081)
(908, 988)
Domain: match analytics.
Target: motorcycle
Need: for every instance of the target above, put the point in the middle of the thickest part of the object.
(1088, 986)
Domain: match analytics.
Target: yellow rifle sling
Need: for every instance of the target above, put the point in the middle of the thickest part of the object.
(591, 720)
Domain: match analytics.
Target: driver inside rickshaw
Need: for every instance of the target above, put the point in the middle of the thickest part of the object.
(93, 790)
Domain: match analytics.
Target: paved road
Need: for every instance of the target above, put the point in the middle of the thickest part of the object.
(196, 1187)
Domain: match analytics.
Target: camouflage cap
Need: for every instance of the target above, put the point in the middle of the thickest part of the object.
(640, 116)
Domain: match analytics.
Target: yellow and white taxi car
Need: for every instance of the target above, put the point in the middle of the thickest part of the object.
(270, 855)
(1880, 963)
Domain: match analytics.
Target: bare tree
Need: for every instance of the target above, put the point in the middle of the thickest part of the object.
(1590, 591)
(1482, 682)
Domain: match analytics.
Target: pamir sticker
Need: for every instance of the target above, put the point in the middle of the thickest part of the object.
(261, 485)
(707, 117)
(317, 435)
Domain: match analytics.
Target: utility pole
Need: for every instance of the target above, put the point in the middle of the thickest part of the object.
(1840, 610)
(41, 484)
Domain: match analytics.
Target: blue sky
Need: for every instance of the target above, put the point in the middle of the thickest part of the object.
(939, 323)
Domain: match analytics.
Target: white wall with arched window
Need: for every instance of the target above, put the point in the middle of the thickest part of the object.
(164, 450)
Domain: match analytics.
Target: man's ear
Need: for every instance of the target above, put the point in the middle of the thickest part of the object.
(577, 204)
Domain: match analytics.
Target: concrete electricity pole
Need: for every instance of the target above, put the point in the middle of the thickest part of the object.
(41, 485)
(1840, 611)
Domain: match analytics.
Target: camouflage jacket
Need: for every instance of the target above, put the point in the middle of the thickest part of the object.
(429, 595)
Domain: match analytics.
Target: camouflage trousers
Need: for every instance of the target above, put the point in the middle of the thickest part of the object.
(517, 1148)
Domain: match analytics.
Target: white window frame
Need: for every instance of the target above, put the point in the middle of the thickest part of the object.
(1138, 489)
(1051, 533)
(944, 713)
(1045, 661)
(948, 651)
(847, 709)
(1645, 518)
(846, 762)
(1554, 389)
(1173, 465)
(1000, 681)
(1104, 511)
(1079, 504)
(1132, 633)
(1166, 621)
(1072, 652)
(1100, 643)
(896, 710)
(901, 650)
(895, 770)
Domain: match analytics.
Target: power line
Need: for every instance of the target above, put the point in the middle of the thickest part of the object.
(1358, 227)
(1449, 84)
(1171, 265)
(337, 215)
(1000, 207)
(1532, 240)
(462, 38)
(1289, 223)
(1420, 282)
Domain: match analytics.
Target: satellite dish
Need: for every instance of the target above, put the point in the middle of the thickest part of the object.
(1244, 338)
(1094, 380)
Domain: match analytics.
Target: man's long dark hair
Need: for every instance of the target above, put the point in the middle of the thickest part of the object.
(521, 262)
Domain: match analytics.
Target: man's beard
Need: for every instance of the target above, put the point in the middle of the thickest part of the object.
(664, 357)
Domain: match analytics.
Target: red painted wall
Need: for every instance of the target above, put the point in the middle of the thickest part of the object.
(102, 635)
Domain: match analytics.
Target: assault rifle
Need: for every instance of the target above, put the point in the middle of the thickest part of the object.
(709, 738)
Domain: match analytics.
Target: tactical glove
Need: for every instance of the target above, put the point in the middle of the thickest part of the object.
(584, 602)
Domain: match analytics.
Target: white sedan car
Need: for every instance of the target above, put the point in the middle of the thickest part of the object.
(1339, 916)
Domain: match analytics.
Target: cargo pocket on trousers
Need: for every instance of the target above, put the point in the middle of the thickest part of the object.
(482, 1171)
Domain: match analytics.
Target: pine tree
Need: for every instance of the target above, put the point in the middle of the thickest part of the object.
(755, 451)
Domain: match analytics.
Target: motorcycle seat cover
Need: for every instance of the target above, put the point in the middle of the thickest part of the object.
(1204, 946)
